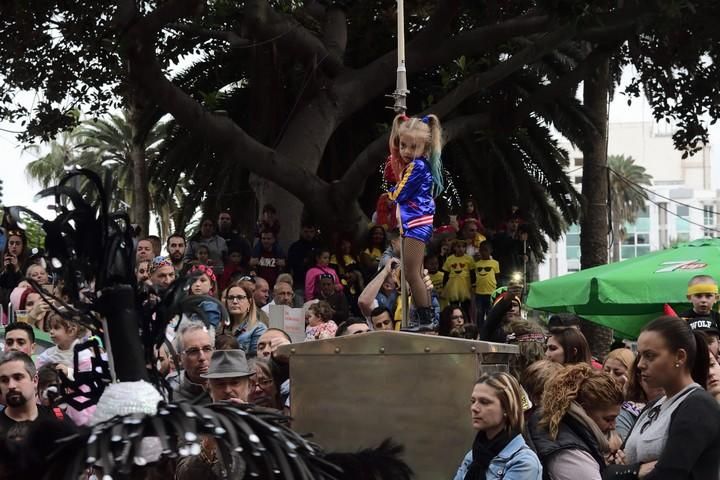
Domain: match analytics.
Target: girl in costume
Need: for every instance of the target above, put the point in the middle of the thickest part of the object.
(415, 148)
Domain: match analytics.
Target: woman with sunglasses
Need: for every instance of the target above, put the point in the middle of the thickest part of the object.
(638, 394)
(679, 436)
(244, 324)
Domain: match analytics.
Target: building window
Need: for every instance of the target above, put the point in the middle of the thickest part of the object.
(683, 210)
(578, 161)
(635, 243)
(709, 216)
(578, 180)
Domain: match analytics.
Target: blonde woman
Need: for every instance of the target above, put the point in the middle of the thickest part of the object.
(499, 450)
(244, 324)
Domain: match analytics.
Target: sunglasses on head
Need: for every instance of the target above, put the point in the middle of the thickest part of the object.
(326, 276)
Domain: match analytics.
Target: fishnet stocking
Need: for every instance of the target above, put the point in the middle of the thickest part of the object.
(413, 255)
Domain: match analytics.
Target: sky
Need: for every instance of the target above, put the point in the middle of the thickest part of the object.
(19, 190)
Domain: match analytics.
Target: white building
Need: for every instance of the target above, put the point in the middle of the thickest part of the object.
(681, 207)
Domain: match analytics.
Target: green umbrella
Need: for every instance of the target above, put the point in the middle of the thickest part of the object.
(626, 295)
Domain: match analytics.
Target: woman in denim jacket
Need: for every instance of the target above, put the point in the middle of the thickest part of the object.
(499, 450)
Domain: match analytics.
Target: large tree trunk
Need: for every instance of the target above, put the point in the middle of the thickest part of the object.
(594, 222)
(288, 207)
(140, 209)
(617, 241)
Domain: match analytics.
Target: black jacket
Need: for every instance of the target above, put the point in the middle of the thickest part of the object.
(492, 330)
(572, 435)
(702, 321)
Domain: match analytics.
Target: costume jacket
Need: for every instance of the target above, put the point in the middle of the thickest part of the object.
(414, 195)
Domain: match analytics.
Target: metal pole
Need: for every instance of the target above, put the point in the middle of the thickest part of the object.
(403, 288)
(401, 90)
(400, 106)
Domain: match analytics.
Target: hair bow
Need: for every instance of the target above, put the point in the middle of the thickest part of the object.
(425, 119)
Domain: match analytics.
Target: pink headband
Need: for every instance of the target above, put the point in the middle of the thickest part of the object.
(207, 271)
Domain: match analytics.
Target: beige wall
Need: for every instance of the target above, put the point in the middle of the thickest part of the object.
(652, 147)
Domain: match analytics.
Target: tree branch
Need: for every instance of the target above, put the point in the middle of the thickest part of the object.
(335, 35)
(219, 131)
(228, 36)
(479, 81)
(377, 77)
(267, 25)
(549, 93)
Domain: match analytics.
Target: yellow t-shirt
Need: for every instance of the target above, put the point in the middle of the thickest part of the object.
(458, 287)
(485, 271)
(375, 253)
(437, 280)
(458, 266)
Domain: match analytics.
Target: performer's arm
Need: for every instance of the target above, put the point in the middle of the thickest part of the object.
(407, 186)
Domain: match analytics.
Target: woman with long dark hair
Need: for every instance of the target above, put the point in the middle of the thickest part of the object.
(679, 436)
(14, 259)
(452, 316)
(568, 346)
(499, 450)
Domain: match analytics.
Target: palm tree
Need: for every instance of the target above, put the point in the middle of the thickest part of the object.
(104, 146)
(626, 197)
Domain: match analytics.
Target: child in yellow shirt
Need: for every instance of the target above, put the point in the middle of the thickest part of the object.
(486, 269)
(459, 275)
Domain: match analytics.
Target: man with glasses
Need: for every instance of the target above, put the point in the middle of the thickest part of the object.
(282, 295)
(381, 319)
(195, 346)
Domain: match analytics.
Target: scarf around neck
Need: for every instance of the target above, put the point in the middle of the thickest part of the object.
(484, 450)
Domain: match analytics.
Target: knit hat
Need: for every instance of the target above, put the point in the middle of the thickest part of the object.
(22, 299)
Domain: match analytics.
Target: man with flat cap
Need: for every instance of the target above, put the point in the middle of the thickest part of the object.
(229, 376)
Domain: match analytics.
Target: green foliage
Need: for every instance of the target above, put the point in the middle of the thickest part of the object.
(626, 200)
(103, 145)
(35, 233)
(72, 53)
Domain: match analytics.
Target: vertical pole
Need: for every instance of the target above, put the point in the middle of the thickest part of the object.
(400, 106)
(403, 288)
(401, 89)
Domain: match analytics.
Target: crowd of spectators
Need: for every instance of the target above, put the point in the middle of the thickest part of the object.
(560, 413)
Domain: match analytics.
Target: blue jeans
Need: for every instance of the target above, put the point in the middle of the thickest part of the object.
(483, 305)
